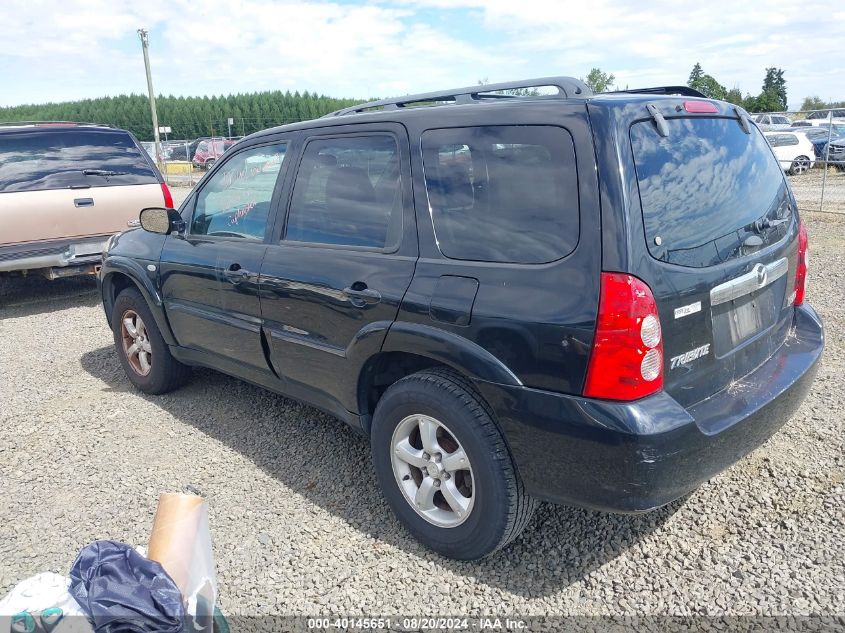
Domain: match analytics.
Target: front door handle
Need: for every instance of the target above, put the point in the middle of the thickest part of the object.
(360, 294)
(235, 274)
(83, 202)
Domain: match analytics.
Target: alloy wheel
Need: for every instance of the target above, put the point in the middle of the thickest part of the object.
(800, 165)
(136, 343)
(432, 470)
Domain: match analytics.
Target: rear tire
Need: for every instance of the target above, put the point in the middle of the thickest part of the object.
(209, 164)
(144, 354)
(478, 504)
(799, 166)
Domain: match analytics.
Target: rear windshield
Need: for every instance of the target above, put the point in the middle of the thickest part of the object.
(709, 191)
(52, 159)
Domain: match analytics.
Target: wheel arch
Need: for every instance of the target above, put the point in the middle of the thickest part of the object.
(409, 348)
(119, 273)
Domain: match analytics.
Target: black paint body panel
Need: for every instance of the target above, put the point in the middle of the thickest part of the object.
(631, 457)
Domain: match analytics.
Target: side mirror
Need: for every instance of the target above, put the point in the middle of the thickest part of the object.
(163, 221)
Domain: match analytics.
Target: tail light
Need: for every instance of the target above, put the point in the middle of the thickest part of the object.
(627, 358)
(168, 199)
(801, 268)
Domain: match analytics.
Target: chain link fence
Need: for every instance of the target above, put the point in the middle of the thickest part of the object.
(183, 162)
(810, 147)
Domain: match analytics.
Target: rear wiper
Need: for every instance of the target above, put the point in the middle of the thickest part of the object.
(767, 223)
(102, 172)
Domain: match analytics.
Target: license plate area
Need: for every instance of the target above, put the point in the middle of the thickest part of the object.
(747, 306)
(739, 320)
(83, 249)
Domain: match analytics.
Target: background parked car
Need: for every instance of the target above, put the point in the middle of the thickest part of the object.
(794, 151)
(184, 151)
(836, 153)
(208, 151)
(768, 122)
(819, 136)
(65, 188)
(823, 117)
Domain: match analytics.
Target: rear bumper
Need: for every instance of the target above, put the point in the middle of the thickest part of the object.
(632, 457)
(82, 252)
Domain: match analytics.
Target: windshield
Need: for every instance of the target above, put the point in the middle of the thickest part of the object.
(51, 159)
(709, 191)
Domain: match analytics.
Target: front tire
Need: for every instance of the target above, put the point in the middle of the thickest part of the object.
(144, 354)
(444, 467)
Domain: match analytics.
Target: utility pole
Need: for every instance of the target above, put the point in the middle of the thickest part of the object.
(145, 45)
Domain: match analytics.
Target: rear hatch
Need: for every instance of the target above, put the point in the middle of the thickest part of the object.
(718, 246)
(61, 183)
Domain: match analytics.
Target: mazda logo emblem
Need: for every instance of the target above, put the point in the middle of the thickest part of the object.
(762, 275)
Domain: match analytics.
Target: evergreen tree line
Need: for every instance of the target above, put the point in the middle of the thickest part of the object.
(188, 117)
(194, 117)
(772, 97)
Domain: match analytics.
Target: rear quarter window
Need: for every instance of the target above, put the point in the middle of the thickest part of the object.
(53, 159)
(782, 140)
(502, 193)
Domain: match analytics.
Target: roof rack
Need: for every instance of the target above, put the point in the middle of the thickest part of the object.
(684, 91)
(567, 88)
(21, 123)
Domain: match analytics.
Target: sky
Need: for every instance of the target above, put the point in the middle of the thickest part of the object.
(59, 50)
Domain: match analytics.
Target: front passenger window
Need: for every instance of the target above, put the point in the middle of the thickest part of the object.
(235, 202)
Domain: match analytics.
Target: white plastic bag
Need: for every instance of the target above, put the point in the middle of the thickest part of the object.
(42, 592)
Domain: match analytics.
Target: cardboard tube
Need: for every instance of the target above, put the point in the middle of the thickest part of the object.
(174, 532)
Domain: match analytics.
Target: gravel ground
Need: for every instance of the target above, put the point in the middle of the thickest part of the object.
(808, 190)
(299, 526)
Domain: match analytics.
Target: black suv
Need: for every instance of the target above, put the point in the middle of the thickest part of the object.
(595, 300)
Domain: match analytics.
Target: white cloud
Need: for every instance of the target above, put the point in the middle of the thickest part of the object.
(659, 41)
(77, 48)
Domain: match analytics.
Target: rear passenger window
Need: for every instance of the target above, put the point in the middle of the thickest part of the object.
(781, 140)
(235, 202)
(502, 193)
(348, 193)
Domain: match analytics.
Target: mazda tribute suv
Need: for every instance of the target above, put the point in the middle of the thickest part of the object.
(596, 300)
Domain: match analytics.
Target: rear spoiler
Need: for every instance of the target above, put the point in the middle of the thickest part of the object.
(684, 91)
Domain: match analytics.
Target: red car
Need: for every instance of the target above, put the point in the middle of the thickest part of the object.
(208, 151)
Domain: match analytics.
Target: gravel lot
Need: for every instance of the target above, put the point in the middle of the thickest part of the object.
(299, 526)
(808, 190)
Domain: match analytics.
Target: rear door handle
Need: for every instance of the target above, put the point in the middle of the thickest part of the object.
(360, 293)
(235, 274)
(83, 202)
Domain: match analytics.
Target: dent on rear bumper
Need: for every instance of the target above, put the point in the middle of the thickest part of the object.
(630, 457)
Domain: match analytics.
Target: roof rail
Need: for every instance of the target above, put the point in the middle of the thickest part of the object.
(567, 88)
(13, 123)
(684, 91)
